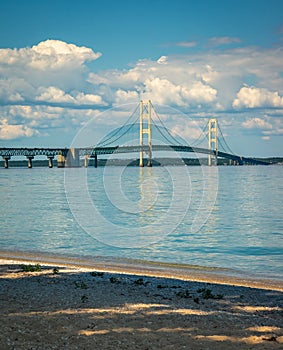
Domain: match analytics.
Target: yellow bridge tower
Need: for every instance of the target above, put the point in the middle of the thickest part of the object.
(145, 129)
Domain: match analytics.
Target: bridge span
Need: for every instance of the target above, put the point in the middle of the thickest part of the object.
(70, 157)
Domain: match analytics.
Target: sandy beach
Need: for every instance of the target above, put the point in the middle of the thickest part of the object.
(65, 306)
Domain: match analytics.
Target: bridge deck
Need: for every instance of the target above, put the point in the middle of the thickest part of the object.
(91, 152)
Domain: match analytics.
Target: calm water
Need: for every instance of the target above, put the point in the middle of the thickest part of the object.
(227, 217)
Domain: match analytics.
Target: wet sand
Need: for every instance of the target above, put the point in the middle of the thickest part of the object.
(102, 305)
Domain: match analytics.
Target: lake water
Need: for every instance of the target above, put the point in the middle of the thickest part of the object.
(227, 217)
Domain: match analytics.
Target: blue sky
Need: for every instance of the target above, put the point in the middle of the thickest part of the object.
(64, 63)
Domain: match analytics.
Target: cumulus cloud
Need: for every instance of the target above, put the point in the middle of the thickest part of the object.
(162, 91)
(89, 99)
(48, 55)
(200, 93)
(45, 72)
(9, 95)
(252, 97)
(162, 60)
(165, 81)
(210, 80)
(123, 96)
(257, 123)
(265, 125)
(10, 132)
(55, 95)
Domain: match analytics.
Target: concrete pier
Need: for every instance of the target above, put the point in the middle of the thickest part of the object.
(6, 161)
(61, 160)
(95, 159)
(86, 159)
(50, 161)
(30, 158)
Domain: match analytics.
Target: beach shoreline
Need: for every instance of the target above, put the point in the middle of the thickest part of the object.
(148, 268)
(96, 305)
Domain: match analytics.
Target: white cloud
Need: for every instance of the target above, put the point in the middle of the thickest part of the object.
(189, 131)
(256, 123)
(11, 132)
(163, 91)
(187, 43)
(89, 99)
(265, 125)
(223, 40)
(46, 117)
(31, 112)
(123, 96)
(204, 80)
(252, 97)
(56, 95)
(277, 131)
(199, 93)
(162, 60)
(8, 92)
(30, 74)
(48, 55)
(219, 75)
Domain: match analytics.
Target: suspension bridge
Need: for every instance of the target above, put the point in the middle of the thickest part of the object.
(144, 128)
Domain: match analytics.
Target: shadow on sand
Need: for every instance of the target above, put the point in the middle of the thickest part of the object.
(70, 309)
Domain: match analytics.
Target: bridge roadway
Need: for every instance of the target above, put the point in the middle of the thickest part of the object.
(30, 153)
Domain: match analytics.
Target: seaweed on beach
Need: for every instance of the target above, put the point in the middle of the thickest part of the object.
(141, 282)
(30, 268)
(96, 274)
(206, 293)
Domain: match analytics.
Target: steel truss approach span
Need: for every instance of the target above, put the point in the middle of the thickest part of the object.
(32, 152)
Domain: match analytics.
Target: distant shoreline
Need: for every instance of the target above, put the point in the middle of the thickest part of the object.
(135, 162)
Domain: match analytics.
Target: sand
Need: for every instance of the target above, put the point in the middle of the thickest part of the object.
(76, 306)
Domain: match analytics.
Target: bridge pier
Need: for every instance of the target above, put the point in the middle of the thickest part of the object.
(6, 161)
(95, 159)
(69, 159)
(30, 158)
(50, 161)
(86, 159)
(61, 160)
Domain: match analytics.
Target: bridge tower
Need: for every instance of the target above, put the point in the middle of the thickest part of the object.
(145, 129)
(212, 140)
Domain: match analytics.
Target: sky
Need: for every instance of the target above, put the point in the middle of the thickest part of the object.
(66, 64)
